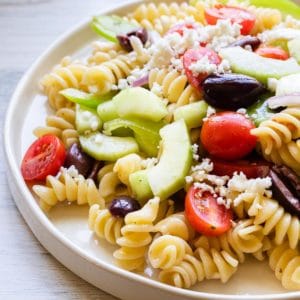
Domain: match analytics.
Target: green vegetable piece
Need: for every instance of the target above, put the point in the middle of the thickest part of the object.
(89, 100)
(146, 133)
(261, 68)
(259, 111)
(140, 186)
(288, 85)
(86, 119)
(107, 111)
(294, 49)
(193, 114)
(138, 102)
(111, 26)
(108, 148)
(168, 176)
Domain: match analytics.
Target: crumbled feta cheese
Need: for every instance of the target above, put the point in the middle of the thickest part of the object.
(210, 111)
(204, 187)
(149, 162)
(206, 165)
(189, 179)
(272, 84)
(242, 111)
(157, 89)
(123, 84)
(203, 65)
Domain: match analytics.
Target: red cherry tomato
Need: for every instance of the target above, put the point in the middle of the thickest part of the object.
(193, 55)
(226, 135)
(205, 214)
(235, 14)
(44, 157)
(179, 28)
(272, 52)
(250, 169)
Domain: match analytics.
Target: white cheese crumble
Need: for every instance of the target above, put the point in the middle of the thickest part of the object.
(157, 89)
(242, 111)
(203, 65)
(272, 84)
(206, 165)
(149, 163)
(195, 148)
(210, 111)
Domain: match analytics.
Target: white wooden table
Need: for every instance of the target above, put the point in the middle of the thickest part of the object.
(27, 270)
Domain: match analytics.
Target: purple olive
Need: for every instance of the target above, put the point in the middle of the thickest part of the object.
(80, 160)
(123, 205)
(94, 170)
(231, 91)
(124, 39)
(251, 41)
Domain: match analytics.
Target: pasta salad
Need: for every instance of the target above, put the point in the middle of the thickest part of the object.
(181, 131)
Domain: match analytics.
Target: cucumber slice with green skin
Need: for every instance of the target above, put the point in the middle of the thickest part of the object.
(168, 176)
(193, 114)
(138, 102)
(249, 63)
(288, 85)
(108, 148)
(86, 119)
(294, 49)
(111, 26)
(140, 186)
(89, 100)
(107, 111)
(146, 133)
(259, 111)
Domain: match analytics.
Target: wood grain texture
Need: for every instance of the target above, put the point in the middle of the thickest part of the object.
(28, 271)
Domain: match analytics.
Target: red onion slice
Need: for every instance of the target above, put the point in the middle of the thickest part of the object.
(284, 101)
(141, 81)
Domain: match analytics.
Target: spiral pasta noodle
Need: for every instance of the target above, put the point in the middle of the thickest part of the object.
(176, 225)
(269, 214)
(286, 264)
(281, 129)
(67, 186)
(100, 79)
(110, 184)
(152, 11)
(104, 224)
(62, 124)
(174, 86)
(65, 75)
(136, 236)
(167, 251)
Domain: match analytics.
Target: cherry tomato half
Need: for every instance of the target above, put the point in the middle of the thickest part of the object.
(226, 135)
(235, 14)
(272, 52)
(193, 55)
(205, 214)
(44, 157)
(179, 28)
(257, 169)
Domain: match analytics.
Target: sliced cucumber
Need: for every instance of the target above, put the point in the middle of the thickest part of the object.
(168, 176)
(107, 111)
(261, 68)
(138, 102)
(87, 119)
(140, 186)
(193, 114)
(111, 26)
(294, 49)
(146, 133)
(89, 100)
(108, 148)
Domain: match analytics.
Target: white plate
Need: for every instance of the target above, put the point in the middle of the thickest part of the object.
(65, 233)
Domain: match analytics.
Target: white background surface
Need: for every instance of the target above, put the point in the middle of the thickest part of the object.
(27, 270)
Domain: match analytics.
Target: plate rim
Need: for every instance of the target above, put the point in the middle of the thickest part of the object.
(13, 170)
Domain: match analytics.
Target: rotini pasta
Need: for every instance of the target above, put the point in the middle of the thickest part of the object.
(62, 124)
(104, 224)
(286, 264)
(167, 251)
(136, 236)
(68, 185)
(67, 74)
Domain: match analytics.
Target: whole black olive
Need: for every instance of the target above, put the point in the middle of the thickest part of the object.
(123, 205)
(251, 41)
(94, 170)
(231, 91)
(76, 157)
(124, 39)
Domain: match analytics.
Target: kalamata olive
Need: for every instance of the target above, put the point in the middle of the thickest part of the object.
(251, 41)
(286, 188)
(94, 170)
(123, 205)
(124, 39)
(231, 91)
(76, 157)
